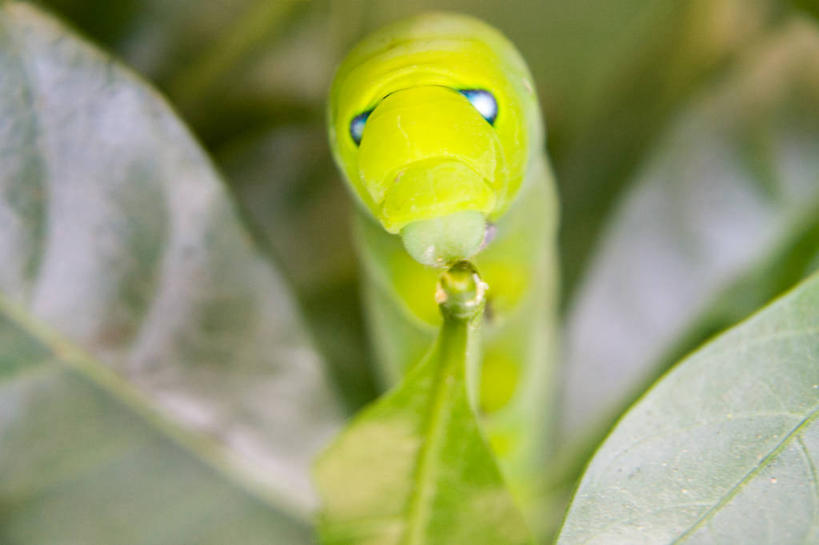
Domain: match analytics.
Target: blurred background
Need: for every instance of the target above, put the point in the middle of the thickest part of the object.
(684, 137)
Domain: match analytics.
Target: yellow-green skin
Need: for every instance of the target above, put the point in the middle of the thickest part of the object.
(427, 153)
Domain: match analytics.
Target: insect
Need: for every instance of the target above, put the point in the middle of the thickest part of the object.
(435, 125)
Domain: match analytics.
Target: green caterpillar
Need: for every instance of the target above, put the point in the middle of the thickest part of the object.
(435, 124)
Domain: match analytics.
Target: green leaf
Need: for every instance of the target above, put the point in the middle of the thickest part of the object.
(116, 232)
(414, 467)
(207, 55)
(725, 449)
(85, 458)
(638, 80)
(811, 7)
(723, 217)
(302, 214)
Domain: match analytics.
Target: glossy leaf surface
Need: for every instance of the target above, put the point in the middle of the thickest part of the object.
(724, 449)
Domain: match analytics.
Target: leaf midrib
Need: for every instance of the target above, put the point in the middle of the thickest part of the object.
(66, 354)
(427, 461)
(753, 472)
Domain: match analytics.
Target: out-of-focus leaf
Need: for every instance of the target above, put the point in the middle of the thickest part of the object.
(290, 189)
(85, 458)
(293, 198)
(106, 21)
(165, 39)
(414, 467)
(810, 6)
(723, 217)
(724, 449)
(202, 53)
(659, 63)
(279, 79)
(116, 231)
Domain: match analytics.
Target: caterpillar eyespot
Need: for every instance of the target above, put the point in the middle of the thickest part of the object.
(357, 126)
(484, 102)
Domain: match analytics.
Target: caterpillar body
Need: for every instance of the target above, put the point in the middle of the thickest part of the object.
(435, 126)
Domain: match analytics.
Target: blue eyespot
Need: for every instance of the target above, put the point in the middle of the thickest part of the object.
(357, 126)
(484, 102)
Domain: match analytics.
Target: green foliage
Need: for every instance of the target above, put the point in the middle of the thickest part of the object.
(168, 357)
(118, 233)
(726, 209)
(87, 457)
(723, 448)
(414, 467)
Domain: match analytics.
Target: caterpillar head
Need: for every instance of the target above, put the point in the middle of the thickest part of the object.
(434, 122)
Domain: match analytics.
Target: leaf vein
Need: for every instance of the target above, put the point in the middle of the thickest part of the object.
(734, 490)
(814, 475)
(711, 421)
(68, 356)
(426, 461)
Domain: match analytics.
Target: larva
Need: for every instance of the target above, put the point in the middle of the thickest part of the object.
(435, 126)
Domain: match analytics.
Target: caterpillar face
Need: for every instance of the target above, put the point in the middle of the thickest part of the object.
(433, 122)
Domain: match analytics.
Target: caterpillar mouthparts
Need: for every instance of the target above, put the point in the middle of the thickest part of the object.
(441, 241)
